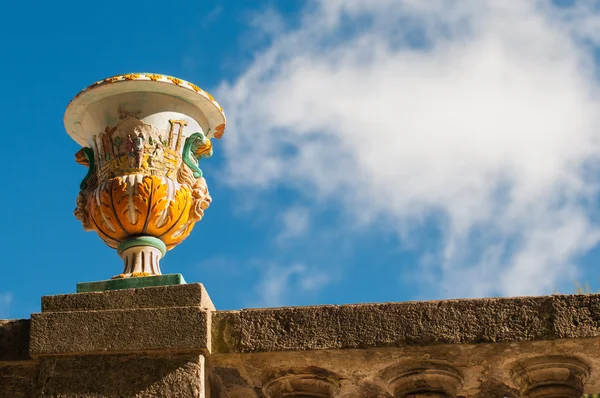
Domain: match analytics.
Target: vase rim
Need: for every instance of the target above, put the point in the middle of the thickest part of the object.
(143, 82)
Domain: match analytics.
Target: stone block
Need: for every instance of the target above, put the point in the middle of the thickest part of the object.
(189, 295)
(122, 376)
(120, 331)
(472, 321)
(14, 340)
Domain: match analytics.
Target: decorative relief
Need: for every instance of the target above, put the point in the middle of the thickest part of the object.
(176, 133)
(196, 147)
(143, 183)
(85, 156)
(426, 378)
(154, 77)
(132, 76)
(139, 205)
(134, 146)
(200, 196)
(301, 382)
(551, 376)
(219, 130)
(175, 80)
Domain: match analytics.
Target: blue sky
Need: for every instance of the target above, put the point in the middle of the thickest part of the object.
(375, 151)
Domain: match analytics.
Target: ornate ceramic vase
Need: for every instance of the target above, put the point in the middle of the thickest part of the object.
(143, 136)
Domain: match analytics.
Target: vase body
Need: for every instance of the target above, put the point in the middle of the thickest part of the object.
(142, 138)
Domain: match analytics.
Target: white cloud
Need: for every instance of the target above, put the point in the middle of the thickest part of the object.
(295, 222)
(279, 285)
(480, 115)
(211, 17)
(6, 300)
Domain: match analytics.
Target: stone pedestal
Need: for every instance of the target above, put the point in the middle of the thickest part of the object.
(126, 343)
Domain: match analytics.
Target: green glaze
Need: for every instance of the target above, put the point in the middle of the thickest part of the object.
(131, 283)
(89, 155)
(136, 241)
(192, 143)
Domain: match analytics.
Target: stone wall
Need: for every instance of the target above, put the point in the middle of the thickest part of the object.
(171, 342)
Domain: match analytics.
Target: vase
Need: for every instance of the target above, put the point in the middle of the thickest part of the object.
(142, 138)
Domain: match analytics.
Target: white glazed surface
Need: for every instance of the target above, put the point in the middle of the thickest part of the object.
(152, 108)
(148, 97)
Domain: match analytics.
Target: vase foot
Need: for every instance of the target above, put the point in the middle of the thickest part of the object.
(133, 275)
(141, 255)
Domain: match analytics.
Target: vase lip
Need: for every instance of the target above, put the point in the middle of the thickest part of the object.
(143, 82)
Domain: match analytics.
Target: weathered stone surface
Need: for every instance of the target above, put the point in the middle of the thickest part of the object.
(190, 295)
(551, 376)
(14, 340)
(575, 316)
(484, 340)
(496, 388)
(486, 368)
(308, 382)
(421, 379)
(120, 331)
(410, 323)
(226, 331)
(18, 381)
(122, 376)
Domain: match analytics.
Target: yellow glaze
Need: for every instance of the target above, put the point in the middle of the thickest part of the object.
(118, 211)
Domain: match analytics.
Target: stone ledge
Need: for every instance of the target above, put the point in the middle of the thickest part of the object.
(14, 340)
(120, 331)
(473, 321)
(139, 376)
(190, 295)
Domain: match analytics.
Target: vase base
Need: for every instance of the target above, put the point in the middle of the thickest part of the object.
(133, 275)
(131, 283)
